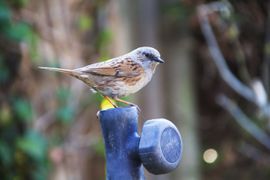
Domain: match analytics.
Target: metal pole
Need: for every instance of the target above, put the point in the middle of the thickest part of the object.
(159, 148)
(119, 128)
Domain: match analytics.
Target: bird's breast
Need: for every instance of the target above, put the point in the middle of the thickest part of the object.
(123, 86)
(134, 84)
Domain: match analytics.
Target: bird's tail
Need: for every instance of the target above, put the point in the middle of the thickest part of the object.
(65, 71)
(74, 73)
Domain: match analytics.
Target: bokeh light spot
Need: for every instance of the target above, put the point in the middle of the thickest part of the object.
(210, 155)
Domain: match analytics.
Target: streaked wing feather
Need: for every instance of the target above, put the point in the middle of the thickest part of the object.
(128, 69)
(102, 71)
(114, 68)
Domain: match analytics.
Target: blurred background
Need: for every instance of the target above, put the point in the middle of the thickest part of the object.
(218, 99)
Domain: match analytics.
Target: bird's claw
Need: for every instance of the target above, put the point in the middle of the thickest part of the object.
(137, 107)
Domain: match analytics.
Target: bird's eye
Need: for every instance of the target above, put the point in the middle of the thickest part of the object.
(147, 55)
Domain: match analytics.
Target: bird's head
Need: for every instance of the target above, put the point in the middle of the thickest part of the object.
(148, 54)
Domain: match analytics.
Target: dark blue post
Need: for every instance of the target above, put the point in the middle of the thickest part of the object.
(159, 148)
(119, 128)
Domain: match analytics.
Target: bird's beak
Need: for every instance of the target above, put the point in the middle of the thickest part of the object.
(159, 60)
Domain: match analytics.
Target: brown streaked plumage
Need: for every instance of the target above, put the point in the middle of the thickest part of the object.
(119, 76)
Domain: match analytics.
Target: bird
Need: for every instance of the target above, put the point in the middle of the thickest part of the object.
(120, 76)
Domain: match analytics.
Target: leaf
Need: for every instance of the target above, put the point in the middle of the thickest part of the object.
(4, 72)
(19, 3)
(5, 14)
(5, 154)
(23, 109)
(104, 38)
(19, 31)
(85, 22)
(5, 115)
(63, 94)
(33, 48)
(33, 144)
(40, 173)
(65, 114)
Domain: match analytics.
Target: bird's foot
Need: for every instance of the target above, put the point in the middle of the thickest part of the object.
(128, 103)
(134, 105)
(137, 107)
(111, 102)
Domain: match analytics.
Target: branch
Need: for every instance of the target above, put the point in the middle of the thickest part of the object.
(215, 51)
(244, 121)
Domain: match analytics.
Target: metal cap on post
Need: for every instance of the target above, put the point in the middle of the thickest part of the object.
(159, 149)
(160, 146)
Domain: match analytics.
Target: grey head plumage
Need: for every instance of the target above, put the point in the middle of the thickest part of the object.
(148, 54)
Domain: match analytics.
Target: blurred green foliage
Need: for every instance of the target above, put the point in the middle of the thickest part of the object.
(65, 113)
(4, 73)
(13, 30)
(33, 144)
(176, 12)
(23, 151)
(99, 148)
(23, 109)
(85, 22)
(103, 40)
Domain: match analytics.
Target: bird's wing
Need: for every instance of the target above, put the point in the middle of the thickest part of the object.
(102, 71)
(124, 68)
